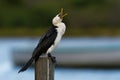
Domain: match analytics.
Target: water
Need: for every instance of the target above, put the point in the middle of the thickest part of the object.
(67, 74)
(8, 71)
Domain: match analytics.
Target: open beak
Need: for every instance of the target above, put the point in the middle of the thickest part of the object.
(61, 14)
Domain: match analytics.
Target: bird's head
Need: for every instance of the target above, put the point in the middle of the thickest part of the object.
(59, 17)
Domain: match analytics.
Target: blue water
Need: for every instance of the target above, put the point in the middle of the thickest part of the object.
(66, 74)
(8, 71)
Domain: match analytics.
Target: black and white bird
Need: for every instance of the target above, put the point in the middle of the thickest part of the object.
(49, 40)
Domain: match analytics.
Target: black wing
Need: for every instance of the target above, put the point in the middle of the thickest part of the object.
(45, 42)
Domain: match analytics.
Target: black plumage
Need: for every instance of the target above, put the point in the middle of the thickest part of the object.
(49, 40)
(46, 41)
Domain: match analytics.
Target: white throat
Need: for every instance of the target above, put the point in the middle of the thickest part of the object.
(56, 20)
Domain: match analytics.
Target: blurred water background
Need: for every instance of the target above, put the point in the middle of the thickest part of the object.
(90, 49)
(9, 70)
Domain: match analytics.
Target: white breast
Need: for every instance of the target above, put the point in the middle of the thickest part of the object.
(60, 31)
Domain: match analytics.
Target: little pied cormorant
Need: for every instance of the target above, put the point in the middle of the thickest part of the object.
(49, 40)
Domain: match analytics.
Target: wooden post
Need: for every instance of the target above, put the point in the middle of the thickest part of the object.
(44, 69)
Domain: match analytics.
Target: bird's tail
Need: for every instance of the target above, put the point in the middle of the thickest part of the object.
(26, 65)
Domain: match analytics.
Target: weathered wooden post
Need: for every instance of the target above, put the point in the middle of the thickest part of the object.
(44, 69)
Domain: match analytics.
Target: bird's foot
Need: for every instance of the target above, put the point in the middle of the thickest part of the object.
(53, 59)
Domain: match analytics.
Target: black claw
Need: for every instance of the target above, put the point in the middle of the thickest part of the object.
(53, 59)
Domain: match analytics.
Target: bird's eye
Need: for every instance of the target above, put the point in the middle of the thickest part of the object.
(59, 14)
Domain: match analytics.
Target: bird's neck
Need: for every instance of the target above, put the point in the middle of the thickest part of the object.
(61, 28)
(59, 24)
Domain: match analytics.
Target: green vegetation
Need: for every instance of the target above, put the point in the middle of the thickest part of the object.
(86, 17)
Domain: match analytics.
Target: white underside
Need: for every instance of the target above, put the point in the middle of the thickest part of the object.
(55, 44)
(60, 32)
